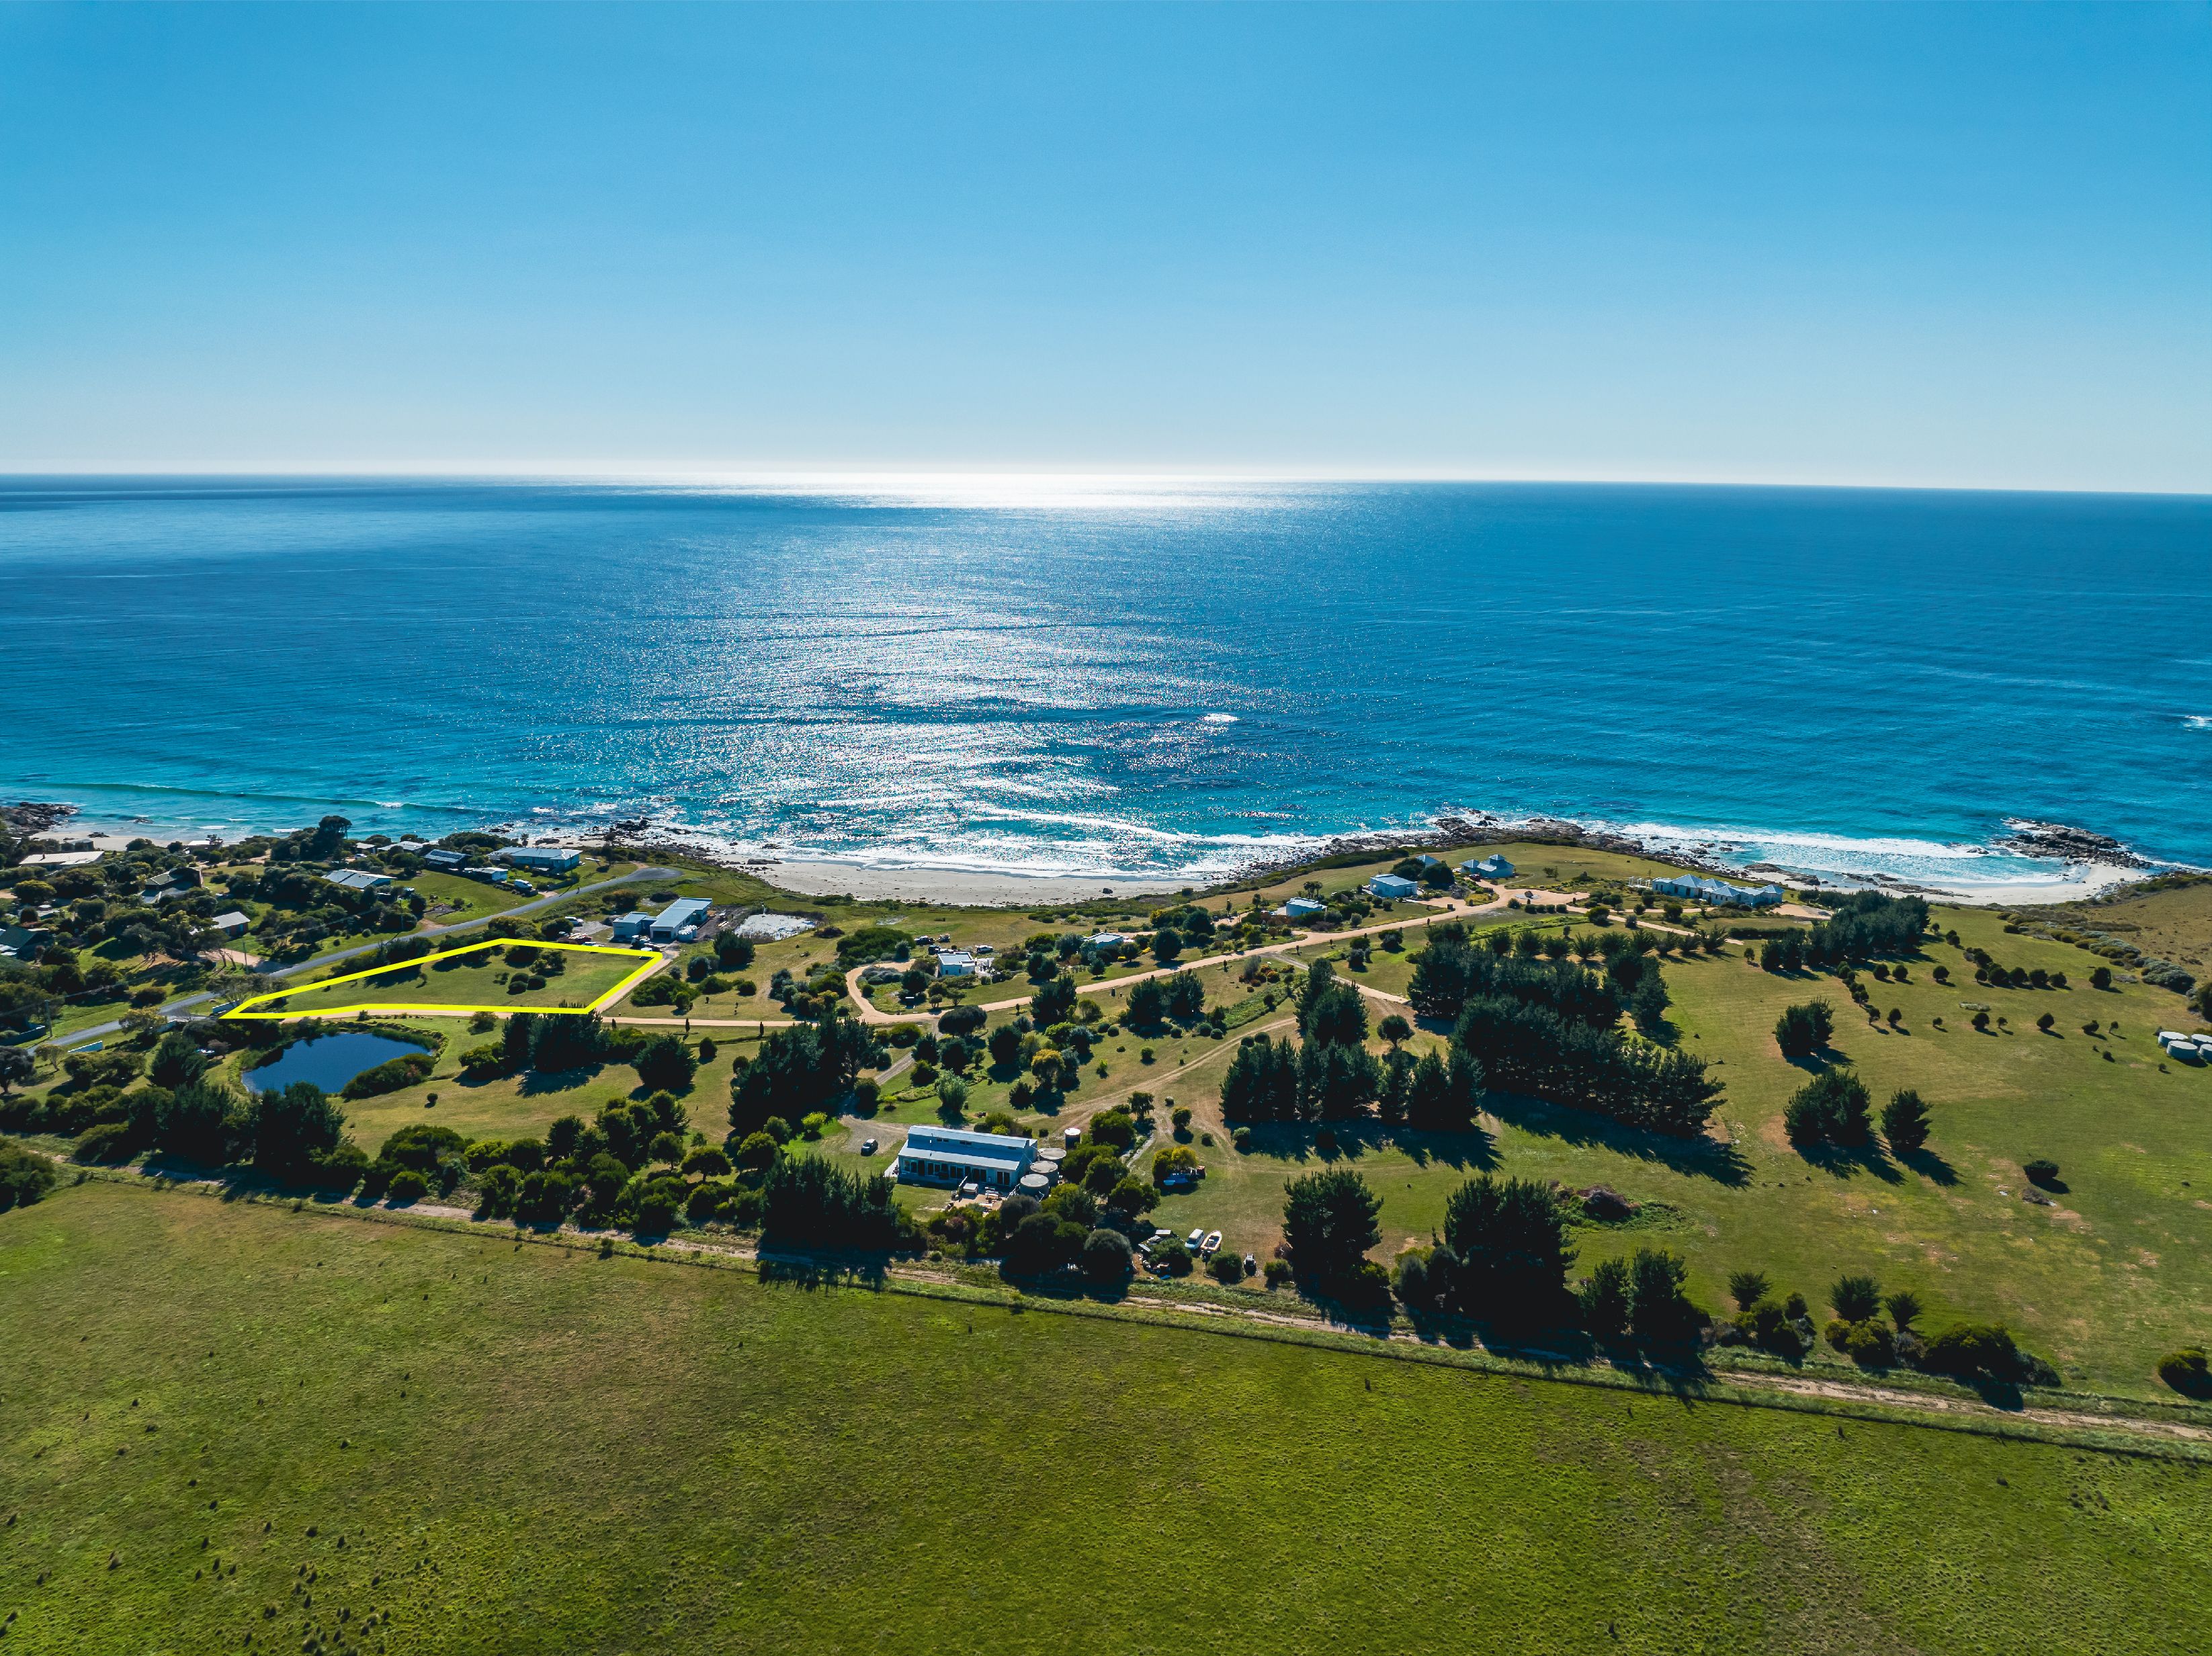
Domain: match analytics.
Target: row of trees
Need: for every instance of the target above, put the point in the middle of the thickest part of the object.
(1525, 1047)
(799, 1069)
(1835, 1108)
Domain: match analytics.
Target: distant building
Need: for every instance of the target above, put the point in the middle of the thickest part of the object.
(629, 928)
(1698, 888)
(1492, 867)
(439, 857)
(24, 943)
(1301, 909)
(61, 859)
(357, 879)
(232, 924)
(1104, 940)
(540, 859)
(1393, 888)
(684, 912)
(954, 1156)
(956, 963)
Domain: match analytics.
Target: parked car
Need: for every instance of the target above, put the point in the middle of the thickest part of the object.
(1213, 1243)
(1196, 1239)
(1251, 1264)
(867, 1147)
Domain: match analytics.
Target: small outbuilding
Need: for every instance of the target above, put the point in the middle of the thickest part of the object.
(683, 913)
(357, 879)
(1393, 888)
(232, 924)
(439, 857)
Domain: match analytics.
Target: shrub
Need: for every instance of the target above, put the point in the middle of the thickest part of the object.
(1106, 1258)
(109, 1141)
(1227, 1266)
(1276, 1271)
(407, 1186)
(482, 1062)
(1242, 1138)
(1747, 1288)
(1904, 1308)
(2188, 1371)
(1658, 1309)
(1830, 1109)
(1904, 1121)
(1856, 1298)
(1975, 1350)
(1602, 1299)
(24, 1177)
(1802, 1031)
(1177, 1258)
(1863, 1342)
(2041, 1171)
(497, 1188)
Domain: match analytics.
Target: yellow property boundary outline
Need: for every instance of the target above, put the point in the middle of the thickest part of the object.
(647, 958)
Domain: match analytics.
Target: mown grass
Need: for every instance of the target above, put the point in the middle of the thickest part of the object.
(496, 1447)
(467, 975)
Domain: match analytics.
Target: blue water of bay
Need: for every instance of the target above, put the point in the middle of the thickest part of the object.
(1135, 679)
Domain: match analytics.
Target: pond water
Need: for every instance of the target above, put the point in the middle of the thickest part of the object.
(329, 1061)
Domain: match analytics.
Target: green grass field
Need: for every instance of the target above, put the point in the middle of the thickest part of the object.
(230, 1421)
(481, 976)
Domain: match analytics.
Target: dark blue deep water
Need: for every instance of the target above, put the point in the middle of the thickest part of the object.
(329, 1061)
(1124, 680)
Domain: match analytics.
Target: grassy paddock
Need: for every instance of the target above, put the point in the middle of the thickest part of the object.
(528, 1448)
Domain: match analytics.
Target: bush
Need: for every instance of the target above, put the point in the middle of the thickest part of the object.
(1277, 1272)
(2188, 1371)
(482, 1062)
(391, 1077)
(1856, 1298)
(1863, 1342)
(108, 1143)
(497, 1188)
(2041, 1171)
(1177, 1258)
(1984, 1350)
(1227, 1266)
(1831, 1108)
(24, 1177)
(1106, 1258)
(1904, 1121)
(1659, 1310)
(1242, 1138)
(1602, 1299)
(407, 1186)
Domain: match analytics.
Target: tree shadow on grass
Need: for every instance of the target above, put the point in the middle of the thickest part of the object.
(1930, 1167)
(536, 1083)
(1842, 1160)
(824, 1270)
(1701, 1157)
(1297, 1141)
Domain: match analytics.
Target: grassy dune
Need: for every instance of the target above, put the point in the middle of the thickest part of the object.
(496, 1447)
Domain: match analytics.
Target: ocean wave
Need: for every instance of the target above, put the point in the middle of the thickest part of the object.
(2197, 721)
(1219, 719)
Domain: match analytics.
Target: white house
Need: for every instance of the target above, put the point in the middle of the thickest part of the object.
(1301, 909)
(1393, 888)
(358, 879)
(954, 1156)
(1698, 887)
(1492, 868)
(956, 963)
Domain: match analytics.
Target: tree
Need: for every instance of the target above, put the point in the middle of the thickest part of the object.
(1855, 1297)
(1106, 1258)
(1904, 1121)
(1747, 1288)
(1330, 1012)
(2101, 978)
(1802, 1031)
(811, 1202)
(1148, 1004)
(1328, 1221)
(1603, 1300)
(666, 1064)
(1006, 1045)
(1648, 1003)
(1659, 1310)
(1042, 1244)
(177, 1061)
(1262, 1082)
(1167, 944)
(1394, 1029)
(295, 1129)
(1114, 1128)
(1186, 997)
(1510, 1237)
(1055, 1000)
(195, 1123)
(1831, 1108)
(1335, 1082)
(1904, 1308)
(16, 1067)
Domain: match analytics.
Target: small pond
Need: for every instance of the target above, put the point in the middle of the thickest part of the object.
(329, 1061)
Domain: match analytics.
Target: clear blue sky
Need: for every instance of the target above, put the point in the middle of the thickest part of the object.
(1941, 245)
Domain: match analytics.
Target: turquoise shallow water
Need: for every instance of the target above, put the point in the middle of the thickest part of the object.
(1119, 679)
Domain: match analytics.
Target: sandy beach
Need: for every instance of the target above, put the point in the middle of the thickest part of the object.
(961, 888)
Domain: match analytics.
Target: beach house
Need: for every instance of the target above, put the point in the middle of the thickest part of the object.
(540, 859)
(1702, 888)
(357, 879)
(439, 857)
(1493, 868)
(1393, 888)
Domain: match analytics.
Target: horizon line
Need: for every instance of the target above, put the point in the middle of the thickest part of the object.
(841, 478)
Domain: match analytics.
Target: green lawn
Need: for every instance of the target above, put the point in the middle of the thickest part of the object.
(2117, 1272)
(226, 1421)
(481, 977)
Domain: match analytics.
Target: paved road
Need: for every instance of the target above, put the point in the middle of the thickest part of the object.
(536, 905)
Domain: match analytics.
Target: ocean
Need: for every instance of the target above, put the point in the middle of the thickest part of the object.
(1133, 679)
